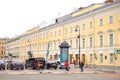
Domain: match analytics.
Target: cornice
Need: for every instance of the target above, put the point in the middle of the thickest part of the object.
(82, 35)
(90, 34)
(110, 30)
(100, 32)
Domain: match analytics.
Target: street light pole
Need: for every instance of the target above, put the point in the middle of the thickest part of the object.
(77, 27)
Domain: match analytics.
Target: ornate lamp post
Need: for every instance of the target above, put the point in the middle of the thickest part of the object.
(78, 29)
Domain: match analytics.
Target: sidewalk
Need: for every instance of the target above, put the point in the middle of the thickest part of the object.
(63, 71)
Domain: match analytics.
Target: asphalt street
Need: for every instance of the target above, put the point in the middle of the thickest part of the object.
(51, 74)
(60, 77)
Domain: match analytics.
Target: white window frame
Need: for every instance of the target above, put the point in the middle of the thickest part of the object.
(90, 58)
(83, 43)
(46, 34)
(59, 32)
(90, 42)
(55, 33)
(51, 45)
(54, 45)
(100, 22)
(70, 29)
(100, 40)
(111, 58)
(65, 31)
(119, 17)
(77, 44)
(109, 40)
(91, 25)
(101, 58)
(71, 44)
(119, 38)
(110, 19)
(83, 27)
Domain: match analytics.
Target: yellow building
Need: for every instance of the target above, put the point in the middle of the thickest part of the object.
(99, 29)
(2, 47)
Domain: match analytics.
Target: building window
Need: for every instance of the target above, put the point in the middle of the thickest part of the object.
(54, 45)
(119, 17)
(101, 58)
(46, 34)
(83, 27)
(91, 24)
(83, 41)
(90, 58)
(55, 33)
(70, 29)
(51, 34)
(111, 58)
(91, 42)
(101, 40)
(43, 35)
(2, 47)
(65, 31)
(59, 32)
(71, 43)
(100, 22)
(77, 43)
(110, 20)
(50, 45)
(111, 39)
(119, 38)
(43, 47)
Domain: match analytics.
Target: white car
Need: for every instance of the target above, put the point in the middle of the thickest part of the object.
(57, 60)
(51, 64)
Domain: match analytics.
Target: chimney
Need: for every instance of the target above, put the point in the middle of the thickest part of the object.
(109, 1)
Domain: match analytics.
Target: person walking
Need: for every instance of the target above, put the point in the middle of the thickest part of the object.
(74, 62)
(67, 65)
(81, 66)
(38, 65)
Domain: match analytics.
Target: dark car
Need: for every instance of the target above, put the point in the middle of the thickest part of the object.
(2, 65)
(51, 64)
(32, 63)
(16, 64)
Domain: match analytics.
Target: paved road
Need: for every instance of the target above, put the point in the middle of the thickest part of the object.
(60, 77)
(73, 74)
(52, 71)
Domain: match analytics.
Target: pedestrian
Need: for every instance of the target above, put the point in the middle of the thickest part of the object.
(74, 63)
(67, 65)
(81, 66)
(38, 65)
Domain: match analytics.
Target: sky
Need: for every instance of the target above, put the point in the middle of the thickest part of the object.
(18, 16)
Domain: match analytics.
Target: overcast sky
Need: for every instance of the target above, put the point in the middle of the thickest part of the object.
(18, 16)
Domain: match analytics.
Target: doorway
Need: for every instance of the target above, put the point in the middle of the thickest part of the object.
(76, 58)
(83, 58)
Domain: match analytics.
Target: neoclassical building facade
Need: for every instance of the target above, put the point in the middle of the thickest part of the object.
(2, 47)
(98, 27)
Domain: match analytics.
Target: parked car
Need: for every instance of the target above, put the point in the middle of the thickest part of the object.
(15, 64)
(2, 65)
(57, 60)
(32, 63)
(51, 64)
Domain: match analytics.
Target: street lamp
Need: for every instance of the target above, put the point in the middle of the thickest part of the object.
(48, 47)
(78, 29)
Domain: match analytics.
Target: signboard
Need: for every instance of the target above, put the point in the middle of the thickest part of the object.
(63, 55)
(117, 51)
